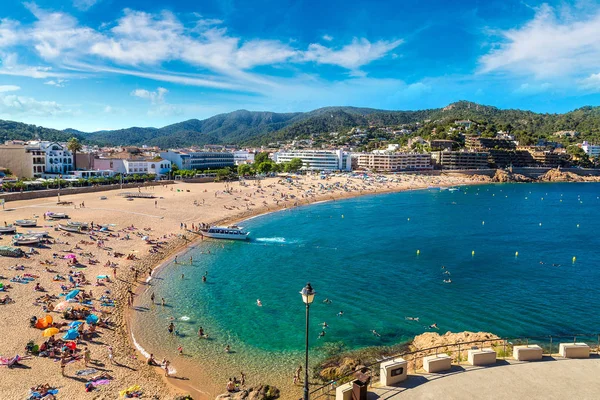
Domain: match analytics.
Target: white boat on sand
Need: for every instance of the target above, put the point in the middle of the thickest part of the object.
(8, 229)
(27, 240)
(69, 228)
(225, 232)
(26, 222)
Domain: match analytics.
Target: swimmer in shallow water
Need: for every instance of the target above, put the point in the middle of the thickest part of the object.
(258, 302)
(374, 332)
(322, 334)
(412, 318)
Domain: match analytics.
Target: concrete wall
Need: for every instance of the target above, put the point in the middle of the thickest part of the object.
(38, 194)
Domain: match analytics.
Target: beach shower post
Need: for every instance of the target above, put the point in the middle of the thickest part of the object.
(308, 295)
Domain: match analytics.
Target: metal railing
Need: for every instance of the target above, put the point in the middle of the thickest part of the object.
(502, 346)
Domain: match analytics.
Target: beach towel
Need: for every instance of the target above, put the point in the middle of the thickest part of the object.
(101, 382)
(84, 372)
(133, 391)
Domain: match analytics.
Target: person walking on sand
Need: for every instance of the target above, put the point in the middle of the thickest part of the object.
(162, 301)
(87, 356)
(152, 297)
(63, 364)
(297, 375)
(167, 368)
(110, 355)
(180, 349)
(171, 328)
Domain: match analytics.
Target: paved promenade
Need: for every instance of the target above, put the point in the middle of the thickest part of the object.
(551, 378)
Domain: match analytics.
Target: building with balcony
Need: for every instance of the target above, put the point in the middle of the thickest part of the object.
(460, 159)
(393, 162)
(317, 160)
(200, 160)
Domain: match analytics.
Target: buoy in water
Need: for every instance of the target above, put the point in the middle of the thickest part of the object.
(408, 219)
(342, 215)
(473, 253)
(574, 259)
(540, 224)
(482, 222)
(578, 225)
(516, 254)
(418, 252)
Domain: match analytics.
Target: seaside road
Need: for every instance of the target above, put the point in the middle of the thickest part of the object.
(551, 378)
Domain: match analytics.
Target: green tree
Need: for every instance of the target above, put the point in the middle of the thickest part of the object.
(261, 158)
(294, 165)
(244, 170)
(74, 145)
(265, 167)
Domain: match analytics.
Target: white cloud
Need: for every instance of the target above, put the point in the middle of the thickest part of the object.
(551, 45)
(141, 40)
(57, 82)
(327, 38)
(157, 97)
(84, 5)
(158, 104)
(12, 105)
(9, 88)
(352, 56)
(10, 66)
(591, 82)
(533, 88)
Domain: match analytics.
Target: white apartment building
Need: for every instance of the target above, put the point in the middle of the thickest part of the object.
(134, 166)
(392, 162)
(243, 157)
(592, 150)
(317, 160)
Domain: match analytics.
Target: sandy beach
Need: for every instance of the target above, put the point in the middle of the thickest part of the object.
(139, 235)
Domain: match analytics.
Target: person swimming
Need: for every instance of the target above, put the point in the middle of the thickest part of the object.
(412, 318)
(447, 280)
(341, 313)
(322, 334)
(171, 328)
(327, 301)
(374, 332)
(204, 278)
(433, 326)
(258, 302)
(324, 325)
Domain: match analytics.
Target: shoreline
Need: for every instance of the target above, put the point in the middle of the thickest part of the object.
(183, 248)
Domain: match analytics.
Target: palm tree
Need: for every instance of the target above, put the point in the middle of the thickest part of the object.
(74, 145)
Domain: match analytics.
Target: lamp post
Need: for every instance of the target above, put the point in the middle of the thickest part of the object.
(308, 295)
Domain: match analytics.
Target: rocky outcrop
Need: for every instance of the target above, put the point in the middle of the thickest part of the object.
(556, 175)
(480, 178)
(448, 343)
(503, 176)
(260, 392)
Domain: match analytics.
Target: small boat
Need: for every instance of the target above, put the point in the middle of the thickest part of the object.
(225, 232)
(81, 225)
(452, 189)
(26, 222)
(8, 229)
(69, 228)
(27, 240)
(41, 234)
(57, 216)
(8, 251)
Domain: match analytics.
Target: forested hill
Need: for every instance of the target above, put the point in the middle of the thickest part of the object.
(260, 128)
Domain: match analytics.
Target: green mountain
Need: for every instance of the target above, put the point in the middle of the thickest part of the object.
(259, 128)
(10, 130)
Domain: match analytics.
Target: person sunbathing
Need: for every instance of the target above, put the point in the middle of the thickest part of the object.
(101, 376)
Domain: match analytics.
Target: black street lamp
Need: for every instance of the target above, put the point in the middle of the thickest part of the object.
(308, 295)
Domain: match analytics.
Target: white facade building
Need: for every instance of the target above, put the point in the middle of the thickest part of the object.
(592, 150)
(59, 160)
(243, 157)
(317, 160)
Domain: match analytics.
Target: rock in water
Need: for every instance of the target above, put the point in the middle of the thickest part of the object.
(259, 392)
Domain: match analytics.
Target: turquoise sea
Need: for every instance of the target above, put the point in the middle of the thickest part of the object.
(379, 259)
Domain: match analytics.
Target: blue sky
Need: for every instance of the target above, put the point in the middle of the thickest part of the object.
(107, 64)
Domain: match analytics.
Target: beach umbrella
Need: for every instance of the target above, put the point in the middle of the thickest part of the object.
(72, 294)
(92, 319)
(75, 324)
(71, 345)
(71, 334)
(50, 332)
(62, 306)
